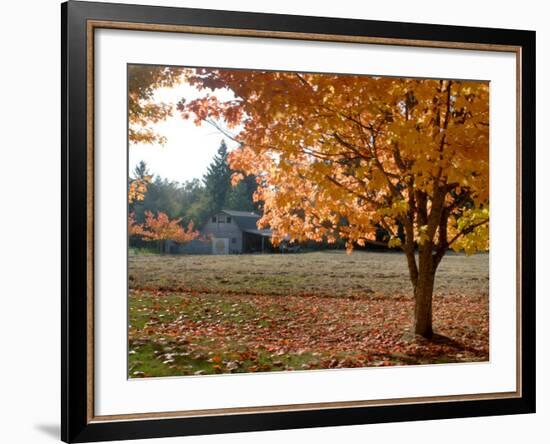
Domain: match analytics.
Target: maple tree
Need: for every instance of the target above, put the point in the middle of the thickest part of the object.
(161, 228)
(143, 109)
(137, 188)
(134, 229)
(339, 156)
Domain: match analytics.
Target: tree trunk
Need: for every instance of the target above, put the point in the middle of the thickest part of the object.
(423, 305)
(423, 293)
(423, 275)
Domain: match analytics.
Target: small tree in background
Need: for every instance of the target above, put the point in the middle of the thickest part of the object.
(161, 228)
(134, 229)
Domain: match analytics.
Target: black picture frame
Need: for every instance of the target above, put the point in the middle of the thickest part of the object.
(76, 423)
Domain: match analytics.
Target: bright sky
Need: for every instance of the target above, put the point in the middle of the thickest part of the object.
(189, 149)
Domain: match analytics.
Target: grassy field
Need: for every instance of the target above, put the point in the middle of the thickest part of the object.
(192, 315)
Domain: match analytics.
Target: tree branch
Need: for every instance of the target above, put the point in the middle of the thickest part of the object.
(223, 131)
(467, 230)
(445, 245)
(335, 182)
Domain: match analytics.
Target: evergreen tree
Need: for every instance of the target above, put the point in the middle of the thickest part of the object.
(141, 171)
(217, 180)
(240, 197)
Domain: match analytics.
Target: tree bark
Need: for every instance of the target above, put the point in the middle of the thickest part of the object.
(423, 293)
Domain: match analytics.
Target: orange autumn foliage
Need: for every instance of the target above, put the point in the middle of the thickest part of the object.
(143, 108)
(341, 156)
(162, 228)
(134, 229)
(137, 188)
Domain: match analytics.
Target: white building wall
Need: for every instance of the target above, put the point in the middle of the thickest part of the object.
(229, 230)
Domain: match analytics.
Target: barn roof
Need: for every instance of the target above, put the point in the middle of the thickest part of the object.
(246, 220)
(241, 213)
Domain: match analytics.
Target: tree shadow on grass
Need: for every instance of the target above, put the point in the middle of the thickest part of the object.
(450, 350)
(450, 342)
(438, 339)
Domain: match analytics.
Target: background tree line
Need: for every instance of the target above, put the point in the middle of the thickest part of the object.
(197, 199)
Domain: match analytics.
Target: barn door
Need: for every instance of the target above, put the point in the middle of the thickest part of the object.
(220, 245)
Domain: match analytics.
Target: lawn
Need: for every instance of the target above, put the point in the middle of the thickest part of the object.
(193, 315)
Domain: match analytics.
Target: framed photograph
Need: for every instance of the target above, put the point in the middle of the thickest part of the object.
(275, 221)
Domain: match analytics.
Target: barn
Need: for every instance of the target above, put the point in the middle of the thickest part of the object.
(228, 232)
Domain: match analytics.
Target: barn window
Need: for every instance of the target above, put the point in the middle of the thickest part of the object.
(214, 219)
(228, 219)
(233, 240)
